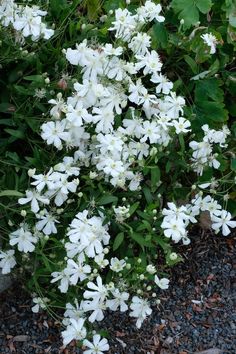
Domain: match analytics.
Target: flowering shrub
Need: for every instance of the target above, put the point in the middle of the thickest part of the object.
(130, 155)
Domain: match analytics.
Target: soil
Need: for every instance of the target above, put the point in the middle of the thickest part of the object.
(196, 313)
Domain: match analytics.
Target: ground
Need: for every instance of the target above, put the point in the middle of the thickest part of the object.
(196, 313)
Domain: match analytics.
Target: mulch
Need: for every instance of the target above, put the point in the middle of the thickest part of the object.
(196, 314)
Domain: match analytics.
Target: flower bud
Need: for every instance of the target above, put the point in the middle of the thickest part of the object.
(23, 213)
(31, 172)
(151, 269)
(173, 256)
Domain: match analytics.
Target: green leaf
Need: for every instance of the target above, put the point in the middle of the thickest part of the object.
(159, 35)
(188, 10)
(107, 199)
(19, 134)
(118, 241)
(212, 111)
(138, 238)
(112, 5)
(204, 6)
(209, 98)
(23, 90)
(133, 208)
(192, 64)
(155, 177)
(34, 78)
(209, 88)
(11, 193)
(233, 164)
(148, 195)
(57, 6)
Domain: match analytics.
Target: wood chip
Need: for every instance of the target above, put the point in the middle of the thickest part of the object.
(20, 338)
(210, 351)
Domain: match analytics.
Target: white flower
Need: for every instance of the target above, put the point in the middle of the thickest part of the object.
(150, 62)
(211, 205)
(223, 220)
(75, 330)
(140, 43)
(77, 56)
(181, 125)
(104, 119)
(118, 301)
(68, 166)
(98, 346)
(47, 224)
(77, 271)
(40, 303)
(163, 283)
(172, 105)
(175, 212)
(7, 261)
(23, 239)
(98, 291)
(54, 133)
(164, 85)
(140, 309)
(33, 197)
(121, 213)
(78, 115)
(110, 50)
(47, 179)
(210, 40)
(59, 106)
(124, 24)
(64, 277)
(174, 229)
(117, 265)
(73, 311)
(150, 11)
(29, 22)
(101, 262)
(92, 65)
(137, 90)
(151, 131)
(97, 306)
(90, 233)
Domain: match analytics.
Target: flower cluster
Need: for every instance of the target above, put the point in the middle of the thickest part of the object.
(24, 19)
(177, 219)
(117, 115)
(203, 151)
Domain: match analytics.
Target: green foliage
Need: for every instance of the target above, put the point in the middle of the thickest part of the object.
(189, 10)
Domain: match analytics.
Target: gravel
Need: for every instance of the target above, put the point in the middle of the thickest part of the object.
(196, 313)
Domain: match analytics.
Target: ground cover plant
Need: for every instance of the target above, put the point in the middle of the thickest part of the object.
(118, 136)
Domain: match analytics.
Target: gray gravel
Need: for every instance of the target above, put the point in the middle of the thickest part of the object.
(196, 313)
